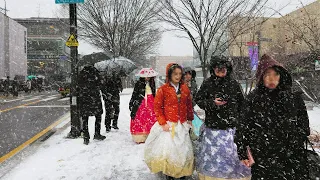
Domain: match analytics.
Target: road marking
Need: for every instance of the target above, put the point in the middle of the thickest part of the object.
(54, 95)
(64, 99)
(32, 99)
(33, 139)
(9, 109)
(50, 106)
(13, 100)
(48, 99)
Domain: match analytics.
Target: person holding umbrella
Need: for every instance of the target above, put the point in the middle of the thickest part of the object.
(90, 103)
(113, 88)
(141, 105)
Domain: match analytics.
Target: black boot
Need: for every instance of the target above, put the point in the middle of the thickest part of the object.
(86, 141)
(99, 137)
(115, 127)
(115, 122)
(86, 135)
(108, 129)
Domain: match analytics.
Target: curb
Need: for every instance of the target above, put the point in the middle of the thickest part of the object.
(33, 139)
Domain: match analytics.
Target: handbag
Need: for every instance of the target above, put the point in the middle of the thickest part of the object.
(313, 159)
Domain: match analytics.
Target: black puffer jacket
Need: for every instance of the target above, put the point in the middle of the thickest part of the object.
(89, 92)
(275, 125)
(138, 95)
(112, 88)
(225, 116)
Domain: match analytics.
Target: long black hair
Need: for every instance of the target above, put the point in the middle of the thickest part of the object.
(142, 81)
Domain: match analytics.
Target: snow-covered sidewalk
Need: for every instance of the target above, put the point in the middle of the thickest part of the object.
(116, 158)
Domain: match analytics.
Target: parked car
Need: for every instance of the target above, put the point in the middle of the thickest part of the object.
(64, 89)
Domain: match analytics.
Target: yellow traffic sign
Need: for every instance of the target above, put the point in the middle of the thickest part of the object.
(72, 41)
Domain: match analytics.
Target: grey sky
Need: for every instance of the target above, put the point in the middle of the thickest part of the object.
(170, 45)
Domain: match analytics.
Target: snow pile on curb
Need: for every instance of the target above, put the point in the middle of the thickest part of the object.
(116, 158)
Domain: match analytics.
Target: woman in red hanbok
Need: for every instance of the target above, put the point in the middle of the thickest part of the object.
(141, 106)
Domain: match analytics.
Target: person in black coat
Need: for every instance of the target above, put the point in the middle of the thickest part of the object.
(220, 97)
(111, 90)
(90, 103)
(275, 125)
(6, 85)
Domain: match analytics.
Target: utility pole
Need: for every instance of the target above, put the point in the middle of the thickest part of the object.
(261, 39)
(5, 8)
(259, 43)
(75, 117)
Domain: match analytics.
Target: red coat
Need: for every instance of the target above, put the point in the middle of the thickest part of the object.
(168, 108)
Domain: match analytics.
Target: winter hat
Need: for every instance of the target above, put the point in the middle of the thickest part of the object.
(267, 62)
(220, 61)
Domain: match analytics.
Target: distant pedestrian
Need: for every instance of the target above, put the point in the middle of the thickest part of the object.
(113, 88)
(220, 96)
(15, 87)
(168, 148)
(40, 84)
(90, 103)
(275, 125)
(190, 80)
(7, 86)
(28, 86)
(142, 106)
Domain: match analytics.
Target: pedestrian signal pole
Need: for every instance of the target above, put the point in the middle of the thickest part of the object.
(73, 44)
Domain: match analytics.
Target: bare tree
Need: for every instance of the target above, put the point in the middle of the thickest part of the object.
(305, 28)
(126, 28)
(207, 22)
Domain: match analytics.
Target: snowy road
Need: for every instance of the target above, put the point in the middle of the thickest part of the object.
(23, 117)
(116, 158)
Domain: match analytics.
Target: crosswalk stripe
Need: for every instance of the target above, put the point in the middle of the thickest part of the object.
(13, 100)
(35, 98)
(48, 99)
(64, 99)
(49, 106)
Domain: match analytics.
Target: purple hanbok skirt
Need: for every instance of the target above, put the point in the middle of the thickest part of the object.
(216, 155)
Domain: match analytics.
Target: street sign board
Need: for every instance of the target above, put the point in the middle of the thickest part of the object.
(266, 39)
(69, 1)
(72, 41)
(252, 43)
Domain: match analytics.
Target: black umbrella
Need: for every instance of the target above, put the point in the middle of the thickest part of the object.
(93, 58)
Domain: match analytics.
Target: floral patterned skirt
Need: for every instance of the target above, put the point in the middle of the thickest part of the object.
(217, 157)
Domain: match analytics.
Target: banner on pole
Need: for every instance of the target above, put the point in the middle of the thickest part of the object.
(253, 55)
